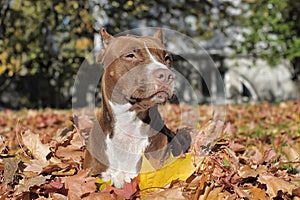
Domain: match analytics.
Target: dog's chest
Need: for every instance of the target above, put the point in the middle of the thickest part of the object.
(125, 148)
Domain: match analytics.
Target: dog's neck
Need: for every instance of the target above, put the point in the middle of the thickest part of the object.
(127, 122)
(125, 142)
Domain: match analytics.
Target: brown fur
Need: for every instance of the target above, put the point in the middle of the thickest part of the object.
(116, 61)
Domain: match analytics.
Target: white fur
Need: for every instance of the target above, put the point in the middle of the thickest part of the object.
(124, 150)
(155, 64)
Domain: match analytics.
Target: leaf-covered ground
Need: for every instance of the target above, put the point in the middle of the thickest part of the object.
(256, 156)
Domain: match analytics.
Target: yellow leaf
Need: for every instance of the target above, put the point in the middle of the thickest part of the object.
(82, 43)
(3, 57)
(175, 168)
(2, 69)
(10, 73)
(102, 184)
(129, 3)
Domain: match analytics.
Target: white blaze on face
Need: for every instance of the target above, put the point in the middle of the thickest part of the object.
(154, 64)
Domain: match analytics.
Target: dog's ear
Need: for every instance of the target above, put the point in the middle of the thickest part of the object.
(159, 35)
(106, 37)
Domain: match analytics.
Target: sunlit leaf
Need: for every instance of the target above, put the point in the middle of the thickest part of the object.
(175, 168)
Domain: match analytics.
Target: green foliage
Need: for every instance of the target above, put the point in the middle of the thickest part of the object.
(193, 18)
(273, 29)
(47, 40)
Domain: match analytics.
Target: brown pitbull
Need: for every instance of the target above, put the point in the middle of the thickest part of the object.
(136, 79)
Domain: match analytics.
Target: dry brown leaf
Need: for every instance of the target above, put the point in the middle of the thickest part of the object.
(70, 153)
(84, 124)
(64, 172)
(100, 196)
(240, 192)
(170, 194)
(73, 151)
(57, 196)
(3, 143)
(207, 191)
(80, 184)
(126, 192)
(292, 153)
(36, 166)
(206, 136)
(28, 183)
(34, 144)
(269, 155)
(256, 157)
(216, 193)
(275, 184)
(236, 147)
(296, 192)
(259, 194)
(246, 171)
(76, 141)
(10, 168)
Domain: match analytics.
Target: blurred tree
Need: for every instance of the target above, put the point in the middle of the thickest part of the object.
(42, 44)
(272, 31)
(196, 18)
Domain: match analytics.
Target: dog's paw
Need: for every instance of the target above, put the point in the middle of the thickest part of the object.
(181, 142)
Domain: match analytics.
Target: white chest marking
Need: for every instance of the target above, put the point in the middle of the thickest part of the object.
(124, 150)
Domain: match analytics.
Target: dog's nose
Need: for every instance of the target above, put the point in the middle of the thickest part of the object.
(163, 76)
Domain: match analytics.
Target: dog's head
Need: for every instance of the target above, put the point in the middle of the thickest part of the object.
(137, 70)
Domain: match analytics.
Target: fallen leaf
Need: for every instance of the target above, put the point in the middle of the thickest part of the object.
(10, 168)
(259, 194)
(216, 193)
(36, 166)
(240, 192)
(57, 196)
(246, 171)
(296, 192)
(175, 168)
(5, 190)
(64, 172)
(3, 143)
(292, 153)
(257, 157)
(170, 194)
(236, 147)
(69, 153)
(72, 152)
(275, 184)
(34, 144)
(102, 183)
(100, 196)
(84, 125)
(80, 184)
(28, 183)
(127, 191)
(207, 136)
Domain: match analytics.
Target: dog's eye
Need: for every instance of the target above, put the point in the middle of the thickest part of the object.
(130, 55)
(167, 58)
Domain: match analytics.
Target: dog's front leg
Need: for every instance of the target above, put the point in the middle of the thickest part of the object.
(179, 142)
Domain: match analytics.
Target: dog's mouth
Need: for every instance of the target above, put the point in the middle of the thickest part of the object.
(158, 97)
